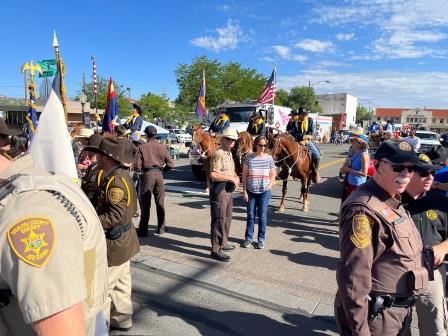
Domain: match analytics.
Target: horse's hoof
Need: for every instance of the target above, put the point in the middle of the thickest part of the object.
(305, 209)
(207, 191)
(281, 209)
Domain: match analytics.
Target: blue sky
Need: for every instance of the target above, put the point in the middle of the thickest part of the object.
(389, 53)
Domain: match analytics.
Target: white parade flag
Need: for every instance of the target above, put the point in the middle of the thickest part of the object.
(51, 147)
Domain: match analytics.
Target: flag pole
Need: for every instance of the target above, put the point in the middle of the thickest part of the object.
(61, 69)
(203, 86)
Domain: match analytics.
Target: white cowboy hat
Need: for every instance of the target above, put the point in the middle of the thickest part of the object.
(230, 132)
(84, 133)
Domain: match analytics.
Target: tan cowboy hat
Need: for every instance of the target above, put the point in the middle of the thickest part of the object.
(361, 138)
(357, 130)
(84, 133)
(230, 133)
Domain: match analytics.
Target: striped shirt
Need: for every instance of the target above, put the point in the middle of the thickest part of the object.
(259, 169)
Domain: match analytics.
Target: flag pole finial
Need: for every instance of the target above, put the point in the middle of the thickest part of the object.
(55, 39)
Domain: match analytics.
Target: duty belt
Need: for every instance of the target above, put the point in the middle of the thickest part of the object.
(379, 303)
(117, 231)
(151, 168)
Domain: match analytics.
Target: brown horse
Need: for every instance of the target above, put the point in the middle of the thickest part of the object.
(207, 145)
(243, 146)
(294, 161)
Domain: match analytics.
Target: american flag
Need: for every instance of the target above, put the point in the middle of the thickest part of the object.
(268, 94)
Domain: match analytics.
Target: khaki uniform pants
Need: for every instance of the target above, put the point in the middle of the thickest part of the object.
(431, 307)
(221, 206)
(152, 185)
(118, 307)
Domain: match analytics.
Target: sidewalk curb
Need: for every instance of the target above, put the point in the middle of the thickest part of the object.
(271, 298)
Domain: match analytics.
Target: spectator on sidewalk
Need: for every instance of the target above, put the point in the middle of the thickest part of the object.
(428, 209)
(258, 178)
(413, 140)
(224, 181)
(357, 163)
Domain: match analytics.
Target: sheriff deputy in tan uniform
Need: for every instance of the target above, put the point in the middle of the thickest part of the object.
(116, 205)
(224, 181)
(53, 266)
(381, 267)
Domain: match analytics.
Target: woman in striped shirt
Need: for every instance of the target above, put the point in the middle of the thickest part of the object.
(258, 178)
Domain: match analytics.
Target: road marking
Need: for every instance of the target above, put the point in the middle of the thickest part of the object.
(331, 163)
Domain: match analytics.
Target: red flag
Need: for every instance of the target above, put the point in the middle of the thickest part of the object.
(268, 94)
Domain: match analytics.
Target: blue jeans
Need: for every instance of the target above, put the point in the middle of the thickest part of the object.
(257, 204)
(315, 153)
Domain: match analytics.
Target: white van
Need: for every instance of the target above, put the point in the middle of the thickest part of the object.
(239, 113)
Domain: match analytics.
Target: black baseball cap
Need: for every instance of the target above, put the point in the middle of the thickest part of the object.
(424, 163)
(398, 151)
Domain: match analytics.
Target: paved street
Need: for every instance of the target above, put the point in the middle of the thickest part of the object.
(287, 288)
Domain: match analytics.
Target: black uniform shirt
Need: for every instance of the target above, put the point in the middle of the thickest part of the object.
(429, 213)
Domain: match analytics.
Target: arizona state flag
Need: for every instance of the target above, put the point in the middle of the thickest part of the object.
(200, 107)
(111, 112)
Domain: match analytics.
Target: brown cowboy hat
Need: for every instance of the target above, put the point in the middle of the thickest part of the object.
(4, 130)
(110, 148)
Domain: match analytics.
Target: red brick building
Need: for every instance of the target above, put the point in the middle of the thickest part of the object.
(431, 119)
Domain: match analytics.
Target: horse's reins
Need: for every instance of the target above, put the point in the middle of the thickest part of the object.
(284, 159)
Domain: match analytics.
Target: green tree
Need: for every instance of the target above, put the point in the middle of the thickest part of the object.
(282, 98)
(223, 82)
(102, 83)
(304, 96)
(154, 106)
(362, 114)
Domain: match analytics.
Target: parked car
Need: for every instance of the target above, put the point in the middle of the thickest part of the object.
(428, 140)
(179, 135)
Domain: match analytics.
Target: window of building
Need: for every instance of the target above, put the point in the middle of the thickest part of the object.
(424, 120)
(433, 120)
(441, 120)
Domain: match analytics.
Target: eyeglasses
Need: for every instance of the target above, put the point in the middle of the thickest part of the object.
(261, 145)
(426, 173)
(398, 168)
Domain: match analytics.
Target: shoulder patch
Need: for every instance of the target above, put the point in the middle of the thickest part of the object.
(115, 195)
(431, 215)
(32, 240)
(362, 232)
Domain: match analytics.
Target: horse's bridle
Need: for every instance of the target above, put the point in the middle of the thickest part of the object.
(284, 159)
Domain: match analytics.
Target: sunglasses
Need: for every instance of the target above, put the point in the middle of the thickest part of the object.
(426, 173)
(261, 145)
(229, 139)
(398, 168)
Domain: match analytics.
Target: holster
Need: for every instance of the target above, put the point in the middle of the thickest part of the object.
(428, 261)
(5, 294)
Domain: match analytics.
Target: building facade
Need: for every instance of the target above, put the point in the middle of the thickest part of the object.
(340, 106)
(14, 115)
(435, 120)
